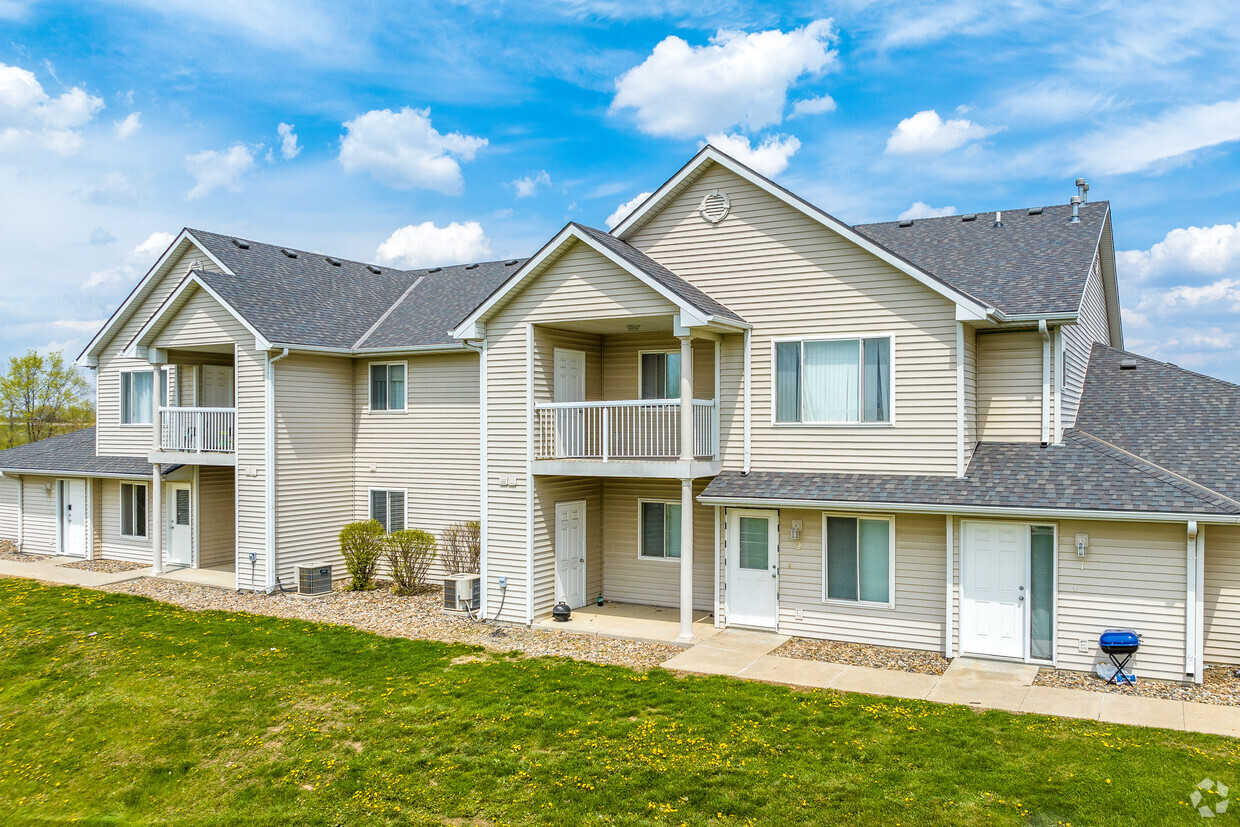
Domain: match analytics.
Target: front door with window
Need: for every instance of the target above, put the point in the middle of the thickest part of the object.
(752, 592)
(992, 587)
(180, 545)
(72, 517)
(570, 553)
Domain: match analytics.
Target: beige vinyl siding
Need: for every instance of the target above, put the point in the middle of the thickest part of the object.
(112, 438)
(581, 285)
(1222, 593)
(630, 578)
(970, 392)
(187, 385)
(1133, 576)
(314, 459)
(431, 450)
(1009, 386)
(217, 530)
(113, 545)
(621, 364)
(548, 492)
(732, 402)
(1079, 338)
(95, 487)
(917, 619)
(546, 342)
(789, 276)
(39, 515)
(9, 488)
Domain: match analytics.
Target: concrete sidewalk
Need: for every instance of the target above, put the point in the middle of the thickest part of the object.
(975, 683)
(50, 570)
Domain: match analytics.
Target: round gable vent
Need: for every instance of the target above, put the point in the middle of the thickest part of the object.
(715, 206)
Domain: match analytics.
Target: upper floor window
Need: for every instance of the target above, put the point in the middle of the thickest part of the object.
(833, 381)
(136, 389)
(387, 386)
(660, 377)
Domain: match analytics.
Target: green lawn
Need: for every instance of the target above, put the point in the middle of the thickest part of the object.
(172, 716)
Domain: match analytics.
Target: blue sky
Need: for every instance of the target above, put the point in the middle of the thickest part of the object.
(416, 134)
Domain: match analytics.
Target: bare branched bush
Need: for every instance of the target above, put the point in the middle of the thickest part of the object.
(462, 548)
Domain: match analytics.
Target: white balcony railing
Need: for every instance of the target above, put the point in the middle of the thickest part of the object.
(645, 429)
(198, 430)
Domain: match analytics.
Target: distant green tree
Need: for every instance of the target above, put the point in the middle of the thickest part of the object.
(42, 396)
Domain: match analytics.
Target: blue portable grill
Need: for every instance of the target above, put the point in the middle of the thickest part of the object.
(1120, 645)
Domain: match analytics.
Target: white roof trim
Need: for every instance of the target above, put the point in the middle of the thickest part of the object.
(260, 341)
(89, 356)
(691, 315)
(710, 154)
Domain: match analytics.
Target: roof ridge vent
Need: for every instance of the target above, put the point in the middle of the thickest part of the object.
(906, 222)
(1076, 210)
(970, 217)
(242, 244)
(334, 262)
(510, 262)
(471, 266)
(434, 270)
(288, 252)
(1128, 363)
(998, 218)
(1035, 210)
(372, 268)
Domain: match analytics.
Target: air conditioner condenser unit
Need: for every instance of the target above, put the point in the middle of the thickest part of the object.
(459, 589)
(313, 581)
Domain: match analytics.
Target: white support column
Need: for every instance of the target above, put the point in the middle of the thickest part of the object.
(686, 399)
(1191, 632)
(950, 560)
(686, 561)
(156, 515)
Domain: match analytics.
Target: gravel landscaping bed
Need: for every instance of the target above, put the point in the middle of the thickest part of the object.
(8, 551)
(419, 617)
(1219, 685)
(105, 566)
(860, 654)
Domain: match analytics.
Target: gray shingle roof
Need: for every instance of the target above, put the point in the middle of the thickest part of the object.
(72, 452)
(1032, 264)
(311, 302)
(1183, 421)
(692, 295)
(1080, 474)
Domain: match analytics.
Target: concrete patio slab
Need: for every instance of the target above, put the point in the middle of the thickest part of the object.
(222, 578)
(50, 570)
(1212, 718)
(1130, 709)
(626, 621)
(884, 682)
(744, 640)
(963, 668)
(710, 661)
(1066, 703)
(794, 672)
(981, 693)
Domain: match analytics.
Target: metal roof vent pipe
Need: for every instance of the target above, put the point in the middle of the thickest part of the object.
(1082, 189)
(998, 219)
(1076, 210)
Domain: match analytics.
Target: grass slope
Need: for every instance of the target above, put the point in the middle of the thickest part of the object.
(171, 716)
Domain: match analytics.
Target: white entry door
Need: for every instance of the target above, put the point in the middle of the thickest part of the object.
(72, 517)
(570, 386)
(217, 386)
(992, 586)
(570, 553)
(752, 593)
(180, 545)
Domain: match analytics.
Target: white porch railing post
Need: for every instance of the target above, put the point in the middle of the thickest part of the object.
(155, 516)
(606, 435)
(686, 399)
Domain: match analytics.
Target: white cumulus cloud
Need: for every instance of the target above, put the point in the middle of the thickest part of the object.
(428, 245)
(739, 79)
(29, 116)
(529, 185)
(127, 128)
(920, 209)
(1211, 251)
(404, 151)
(1169, 137)
(928, 134)
(135, 263)
(214, 170)
(288, 141)
(768, 158)
(814, 106)
(622, 211)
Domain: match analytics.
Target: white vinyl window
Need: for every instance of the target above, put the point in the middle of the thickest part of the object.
(659, 530)
(660, 374)
(136, 389)
(833, 381)
(858, 559)
(388, 507)
(133, 509)
(387, 386)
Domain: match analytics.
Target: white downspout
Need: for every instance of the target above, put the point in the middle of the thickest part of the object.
(1060, 384)
(269, 415)
(21, 512)
(1201, 605)
(481, 348)
(1190, 605)
(748, 403)
(951, 554)
(1046, 381)
(960, 406)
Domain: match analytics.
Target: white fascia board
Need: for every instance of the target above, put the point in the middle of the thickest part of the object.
(416, 350)
(90, 355)
(968, 510)
(81, 475)
(466, 329)
(139, 340)
(711, 154)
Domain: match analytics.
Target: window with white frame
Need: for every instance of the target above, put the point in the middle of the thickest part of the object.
(833, 381)
(660, 375)
(136, 389)
(660, 529)
(388, 507)
(133, 509)
(857, 559)
(387, 386)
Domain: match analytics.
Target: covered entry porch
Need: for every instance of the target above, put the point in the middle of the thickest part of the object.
(631, 621)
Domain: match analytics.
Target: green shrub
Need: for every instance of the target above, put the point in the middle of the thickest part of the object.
(361, 544)
(409, 555)
(462, 548)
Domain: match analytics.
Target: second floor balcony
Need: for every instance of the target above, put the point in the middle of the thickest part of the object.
(208, 433)
(626, 430)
